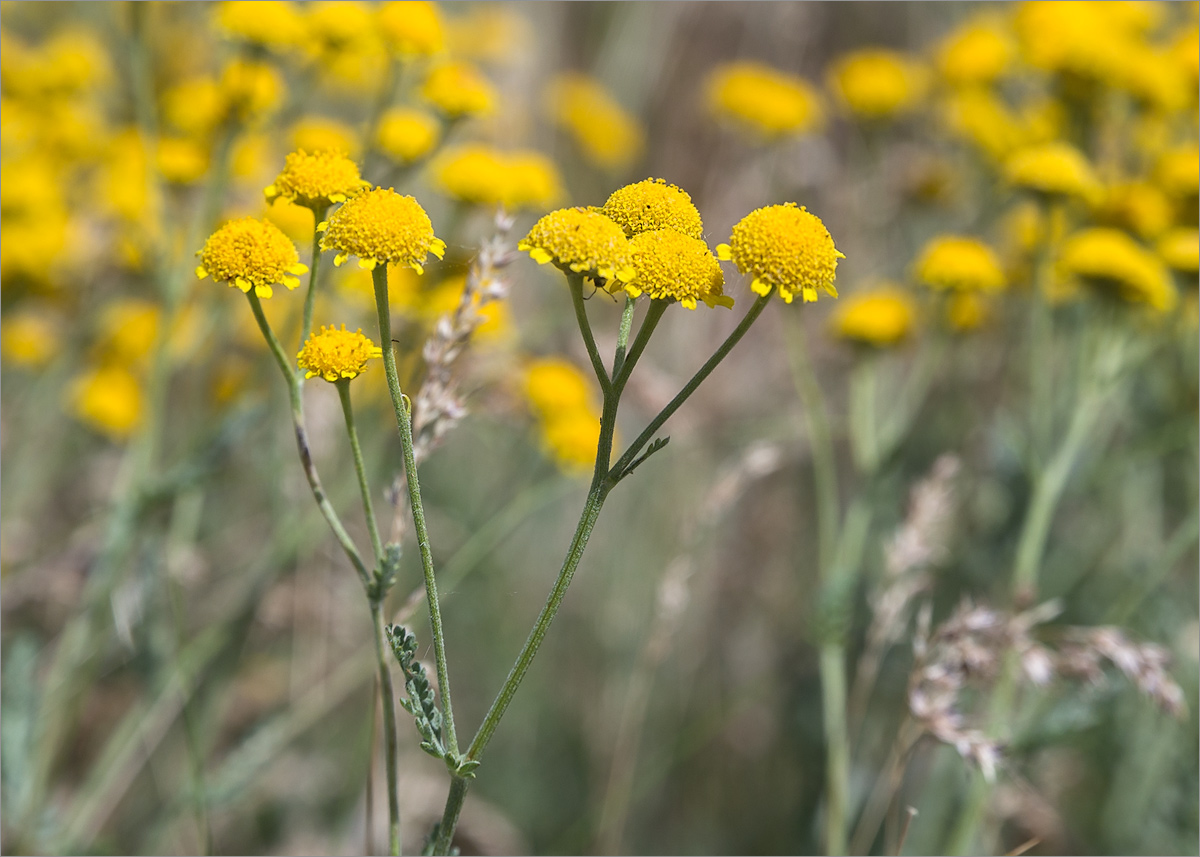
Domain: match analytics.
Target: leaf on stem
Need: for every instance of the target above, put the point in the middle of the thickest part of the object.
(420, 701)
(655, 446)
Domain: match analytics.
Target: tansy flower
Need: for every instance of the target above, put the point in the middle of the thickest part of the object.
(572, 439)
(457, 89)
(250, 253)
(581, 105)
(672, 266)
(877, 84)
(336, 354)
(765, 100)
(1180, 249)
(411, 29)
(581, 241)
(194, 106)
(976, 115)
(250, 89)
(481, 175)
(786, 248)
(108, 399)
(271, 24)
(316, 181)
(554, 386)
(319, 133)
(881, 317)
(180, 160)
(1055, 169)
(28, 338)
(489, 33)
(959, 263)
(976, 53)
(407, 136)
(653, 204)
(1112, 261)
(533, 181)
(127, 330)
(1137, 206)
(965, 311)
(1178, 171)
(382, 227)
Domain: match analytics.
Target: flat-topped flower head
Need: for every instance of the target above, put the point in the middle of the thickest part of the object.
(653, 204)
(582, 241)
(671, 266)
(317, 180)
(381, 227)
(764, 100)
(1109, 259)
(959, 263)
(337, 355)
(1180, 249)
(784, 247)
(1055, 169)
(881, 317)
(250, 253)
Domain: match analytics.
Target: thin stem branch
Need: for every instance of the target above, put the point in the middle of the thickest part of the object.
(623, 334)
(575, 282)
(310, 299)
(837, 763)
(364, 487)
(390, 750)
(404, 421)
(653, 315)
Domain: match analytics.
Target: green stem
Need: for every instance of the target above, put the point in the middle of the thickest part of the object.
(404, 421)
(653, 315)
(364, 487)
(449, 822)
(722, 351)
(623, 334)
(298, 425)
(575, 282)
(390, 750)
(863, 385)
(837, 764)
(310, 299)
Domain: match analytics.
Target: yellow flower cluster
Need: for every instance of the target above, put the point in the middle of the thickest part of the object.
(953, 262)
(784, 248)
(562, 400)
(879, 317)
(580, 241)
(670, 265)
(653, 204)
(606, 134)
(250, 253)
(481, 175)
(381, 227)
(336, 355)
(316, 181)
(764, 100)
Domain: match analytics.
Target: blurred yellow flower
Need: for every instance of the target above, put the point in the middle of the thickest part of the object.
(29, 338)
(883, 316)
(1180, 249)
(877, 83)
(960, 263)
(1178, 170)
(978, 52)
(343, 38)
(672, 266)
(786, 248)
(127, 330)
(318, 133)
(295, 221)
(581, 241)
(1053, 169)
(478, 174)
(412, 28)
(457, 90)
(69, 63)
(123, 184)
(195, 106)
(554, 385)
(382, 227)
(533, 181)
(316, 181)
(407, 135)
(607, 134)
(488, 33)
(336, 355)
(1138, 206)
(653, 204)
(273, 24)
(1112, 261)
(769, 102)
(966, 311)
(181, 160)
(572, 439)
(251, 253)
(977, 116)
(250, 89)
(109, 399)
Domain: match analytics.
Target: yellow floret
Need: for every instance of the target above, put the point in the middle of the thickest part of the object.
(786, 248)
(250, 253)
(317, 180)
(884, 316)
(1111, 260)
(959, 263)
(382, 227)
(336, 355)
(672, 266)
(1178, 171)
(764, 100)
(581, 241)
(653, 204)
(1053, 168)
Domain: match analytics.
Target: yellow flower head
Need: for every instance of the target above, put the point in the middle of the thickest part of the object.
(878, 84)
(572, 438)
(582, 241)
(457, 89)
(966, 311)
(181, 160)
(1055, 169)
(607, 135)
(412, 28)
(959, 263)
(28, 338)
(316, 181)
(194, 106)
(108, 399)
(273, 24)
(1180, 249)
(554, 386)
(1178, 171)
(336, 354)
(406, 135)
(478, 174)
(533, 181)
(653, 204)
(250, 89)
(672, 266)
(1140, 207)
(786, 248)
(880, 317)
(978, 52)
(977, 116)
(769, 102)
(250, 253)
(319, 133)
(1112, 261)
(381, 227)
(127, 330)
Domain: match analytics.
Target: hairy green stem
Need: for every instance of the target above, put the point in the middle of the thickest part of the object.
(653, 315)
(364, 487)
(575, 281)
(310, 299)
(623, 334)
(390, 750)
(404, 422)
(837, 749)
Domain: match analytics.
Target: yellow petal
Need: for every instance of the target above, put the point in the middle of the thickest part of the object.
(724, 253)
(761, 288)
(200, 272)
(263, 291)
(437, 247)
